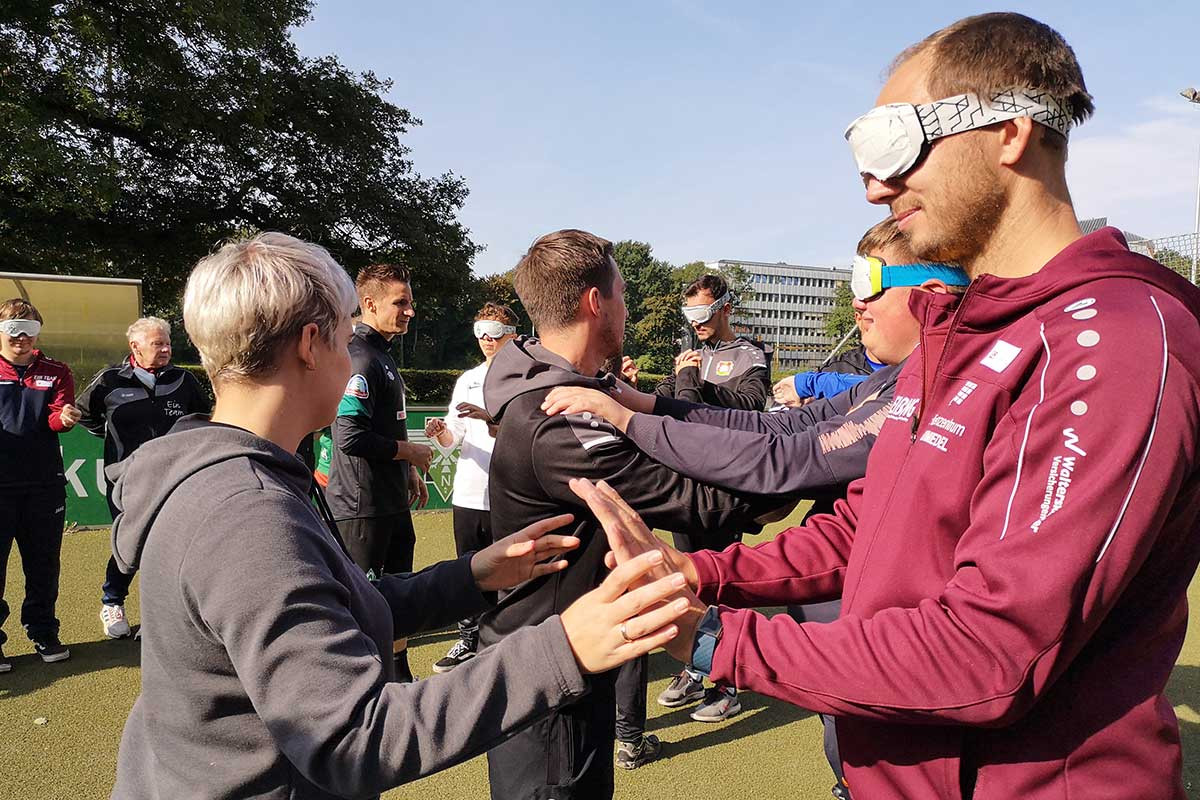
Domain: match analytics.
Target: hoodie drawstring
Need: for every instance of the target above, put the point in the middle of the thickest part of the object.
(322, 505)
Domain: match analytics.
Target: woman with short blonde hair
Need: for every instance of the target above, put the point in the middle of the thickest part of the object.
(266, 664)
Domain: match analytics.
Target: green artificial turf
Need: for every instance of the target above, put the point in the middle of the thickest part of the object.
(60, 724)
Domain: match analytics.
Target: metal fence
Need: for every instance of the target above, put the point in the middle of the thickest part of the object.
(1180, 253)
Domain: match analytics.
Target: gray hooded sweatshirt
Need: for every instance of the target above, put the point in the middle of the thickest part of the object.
(266, 663)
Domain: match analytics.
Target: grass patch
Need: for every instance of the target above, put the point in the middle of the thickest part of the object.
(771, 750)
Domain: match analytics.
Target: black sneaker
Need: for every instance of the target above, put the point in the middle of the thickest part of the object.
(632, 756)
(5, 664)
(51, 650)
(459, 654)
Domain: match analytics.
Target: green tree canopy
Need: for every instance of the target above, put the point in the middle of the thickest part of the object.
(652, 299)
(140, 134)
(841, 319)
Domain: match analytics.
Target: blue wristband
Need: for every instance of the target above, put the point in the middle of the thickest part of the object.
(704, 645)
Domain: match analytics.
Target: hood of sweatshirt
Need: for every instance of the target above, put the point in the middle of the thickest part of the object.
(524, 365)
(995, 302)
(145, 480)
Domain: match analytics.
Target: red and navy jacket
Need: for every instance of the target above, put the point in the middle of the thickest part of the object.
(30, 422)
(1014, 566)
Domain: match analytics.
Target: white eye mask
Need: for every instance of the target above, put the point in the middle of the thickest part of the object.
(889, 140)
(698, 315)
(20, 327)
(492, 329)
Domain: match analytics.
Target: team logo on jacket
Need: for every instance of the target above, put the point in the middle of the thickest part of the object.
(724, 368)
(357, 387)
(1002, 354)
(902, 408)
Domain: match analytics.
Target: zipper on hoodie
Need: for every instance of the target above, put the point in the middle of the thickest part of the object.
(916, 422)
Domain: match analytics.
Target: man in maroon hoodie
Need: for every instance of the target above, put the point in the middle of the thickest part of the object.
(1014, 565)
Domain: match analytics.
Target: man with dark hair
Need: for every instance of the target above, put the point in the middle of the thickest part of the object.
(375, 473)
(574, 293)
(37, 395)
(815, 451)
(728, 370)
(1015, 564)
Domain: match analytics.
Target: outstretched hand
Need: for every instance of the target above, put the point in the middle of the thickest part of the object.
(628, 536)
(578, 400)
(523, 555)
(626, 616)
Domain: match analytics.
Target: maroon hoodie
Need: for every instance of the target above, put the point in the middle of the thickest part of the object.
(1014, 565)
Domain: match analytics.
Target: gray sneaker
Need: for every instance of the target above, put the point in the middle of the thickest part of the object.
(632, 756)
(682, 689)
(718, 705)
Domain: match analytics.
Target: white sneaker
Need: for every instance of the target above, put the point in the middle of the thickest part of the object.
(115, 624)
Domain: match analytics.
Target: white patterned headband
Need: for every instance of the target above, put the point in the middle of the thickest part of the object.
(888, 140)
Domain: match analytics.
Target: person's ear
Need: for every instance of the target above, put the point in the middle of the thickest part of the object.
(1016, 135)
(936, 286)
(591, 301)
(306, 346)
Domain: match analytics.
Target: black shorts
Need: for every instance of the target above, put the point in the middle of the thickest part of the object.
(380, 544)
(472, 530)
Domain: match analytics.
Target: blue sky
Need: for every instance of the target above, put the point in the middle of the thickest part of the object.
(715, 133)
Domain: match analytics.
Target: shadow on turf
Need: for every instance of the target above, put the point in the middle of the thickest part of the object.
(30, 674)
(759, 714)
(1184, 690)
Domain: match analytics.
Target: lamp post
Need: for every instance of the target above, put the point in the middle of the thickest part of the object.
(1193, 96)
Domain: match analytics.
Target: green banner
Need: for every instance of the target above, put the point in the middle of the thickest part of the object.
(83, 463)
(440, 479)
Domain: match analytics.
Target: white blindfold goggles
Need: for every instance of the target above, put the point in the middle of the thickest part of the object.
(492, 330)
(889, 140)
(20, 327)
(698, 315)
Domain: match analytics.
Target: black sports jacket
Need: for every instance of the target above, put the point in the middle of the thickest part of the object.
(365, 480)
(121, 409)
(534, 458)
(734, 374)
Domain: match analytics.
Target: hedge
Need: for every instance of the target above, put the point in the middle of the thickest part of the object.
(423, 386)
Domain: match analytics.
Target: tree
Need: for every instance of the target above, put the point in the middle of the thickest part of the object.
(139, 134)
(841, 319)
(653, 304)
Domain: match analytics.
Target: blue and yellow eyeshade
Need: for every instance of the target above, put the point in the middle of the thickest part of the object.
(870, 276)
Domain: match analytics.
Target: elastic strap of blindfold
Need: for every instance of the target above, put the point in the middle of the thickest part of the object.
(917, 274)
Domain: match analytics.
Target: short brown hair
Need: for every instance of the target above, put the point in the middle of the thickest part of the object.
(497, 312)
(881, 236)
(372, 278)
(19, 309)
(990, 53)
(557, 269)
(712, 283)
